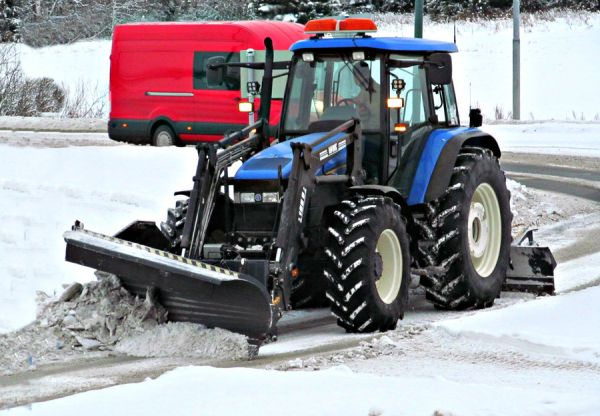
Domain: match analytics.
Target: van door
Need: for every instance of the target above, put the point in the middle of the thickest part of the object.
(216, 106)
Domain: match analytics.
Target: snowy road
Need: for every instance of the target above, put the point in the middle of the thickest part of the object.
(578, 177)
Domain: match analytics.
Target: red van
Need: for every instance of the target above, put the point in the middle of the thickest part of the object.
(158, 87)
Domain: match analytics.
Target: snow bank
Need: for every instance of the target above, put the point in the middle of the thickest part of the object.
(555, 64)
(82, 64)
(43, 191)
(570, 322)
(33, 138)
(337, 391)
(553, 138)
(53, 124)
(530, 208)
(577, 274)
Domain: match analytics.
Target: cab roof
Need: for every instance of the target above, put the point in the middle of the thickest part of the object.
(383, 43)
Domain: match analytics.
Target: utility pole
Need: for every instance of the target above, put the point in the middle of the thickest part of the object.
(516, 114)
(419, 18)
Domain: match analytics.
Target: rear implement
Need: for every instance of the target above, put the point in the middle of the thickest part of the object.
(531, 267)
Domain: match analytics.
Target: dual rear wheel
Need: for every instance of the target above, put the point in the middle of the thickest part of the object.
(464, 243)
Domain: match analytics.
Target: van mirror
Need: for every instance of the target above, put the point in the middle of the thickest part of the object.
(440, 68)
(215, 71)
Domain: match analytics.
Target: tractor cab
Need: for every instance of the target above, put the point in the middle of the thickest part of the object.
(400, 89)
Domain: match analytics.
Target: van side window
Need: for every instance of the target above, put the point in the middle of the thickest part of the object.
(232, 75)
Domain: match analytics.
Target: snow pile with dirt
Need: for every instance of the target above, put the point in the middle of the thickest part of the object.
(179, 339)
(94, 316)
(533, 208)
(102, 315)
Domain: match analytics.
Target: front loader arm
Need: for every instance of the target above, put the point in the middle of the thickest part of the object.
(302, 181)
(211, 167)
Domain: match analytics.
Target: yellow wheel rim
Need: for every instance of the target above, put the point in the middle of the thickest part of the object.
(388, 247)
(484, 229)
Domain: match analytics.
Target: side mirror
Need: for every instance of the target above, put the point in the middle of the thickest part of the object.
(475, 117)
(215, 71)
(440, 68)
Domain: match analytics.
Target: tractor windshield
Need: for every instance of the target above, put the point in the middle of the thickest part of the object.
(327, 89)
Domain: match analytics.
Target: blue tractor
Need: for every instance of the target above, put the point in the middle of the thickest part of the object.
(368, 184)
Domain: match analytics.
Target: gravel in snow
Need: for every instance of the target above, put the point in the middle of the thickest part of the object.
(532, 208)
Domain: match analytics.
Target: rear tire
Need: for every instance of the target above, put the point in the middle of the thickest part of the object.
(467, 234)
(368, 268)
(164, 136)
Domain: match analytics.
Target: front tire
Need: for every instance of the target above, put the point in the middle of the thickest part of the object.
(368, 268)
(467, 234)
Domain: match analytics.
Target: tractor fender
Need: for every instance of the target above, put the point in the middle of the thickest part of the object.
(442, 173)
(395, 195)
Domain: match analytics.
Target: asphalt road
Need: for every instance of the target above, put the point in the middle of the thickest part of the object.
(569, 180)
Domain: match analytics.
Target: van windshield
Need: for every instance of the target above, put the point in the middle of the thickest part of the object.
(333, 87)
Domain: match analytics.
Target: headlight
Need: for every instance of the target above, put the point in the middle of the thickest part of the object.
(247, 197)
(258, 197)
(270, 197)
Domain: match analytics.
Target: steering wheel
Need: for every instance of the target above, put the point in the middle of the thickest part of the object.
(364, 112)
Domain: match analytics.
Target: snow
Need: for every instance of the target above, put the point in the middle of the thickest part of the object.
(557, 80)
(179, 339)
(551, 321)
(577, 274)
(577, 139)
(81, 65)
(53, 123)
(214, 391)
(43, 191)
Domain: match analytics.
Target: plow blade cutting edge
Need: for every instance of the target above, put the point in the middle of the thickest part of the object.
(190, 290)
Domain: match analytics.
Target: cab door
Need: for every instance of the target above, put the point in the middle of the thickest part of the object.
(408, 119)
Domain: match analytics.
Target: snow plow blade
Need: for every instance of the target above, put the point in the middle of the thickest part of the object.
(531, 268)
(191, 291)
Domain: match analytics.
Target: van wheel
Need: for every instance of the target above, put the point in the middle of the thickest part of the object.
(163, 136)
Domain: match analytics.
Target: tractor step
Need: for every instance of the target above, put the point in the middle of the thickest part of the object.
(531, 268)
(190, 290)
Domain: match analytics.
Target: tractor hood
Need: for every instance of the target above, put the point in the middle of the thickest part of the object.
(264, 165)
